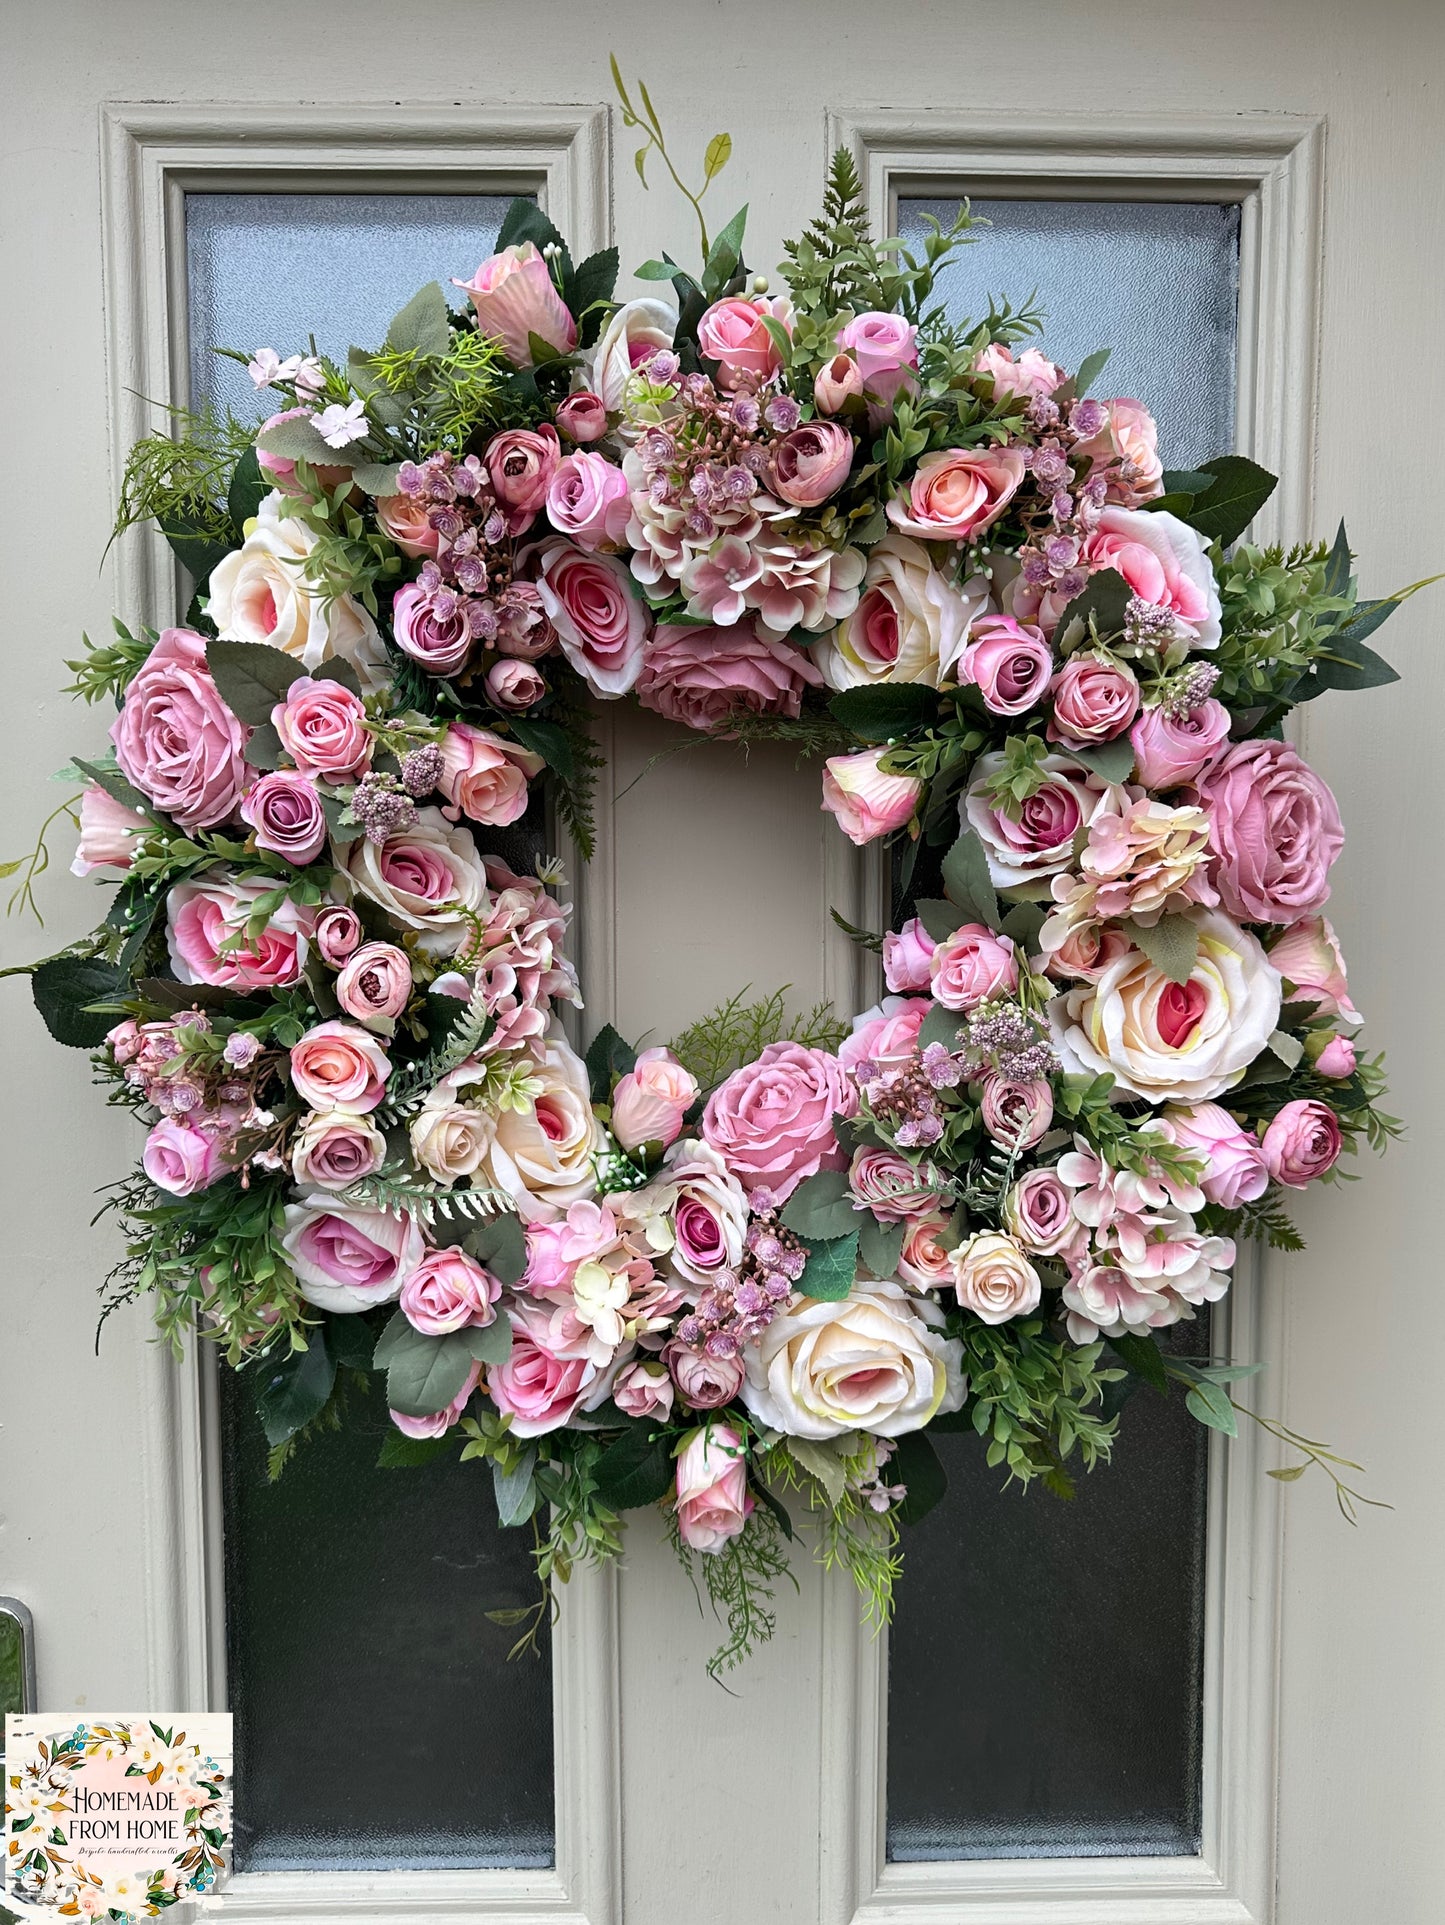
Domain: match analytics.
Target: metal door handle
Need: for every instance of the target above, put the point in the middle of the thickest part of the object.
(17, 1661)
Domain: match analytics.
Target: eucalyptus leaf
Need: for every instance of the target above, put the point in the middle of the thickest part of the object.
(719, 153)
(1210, 1404)
(515, 1491)
(1171, 944)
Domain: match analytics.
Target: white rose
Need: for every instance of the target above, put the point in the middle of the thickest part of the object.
(910, 625)
(347, 1258)
(544, 1156)
(260, 594)
(1167, 1041)
(993, 1277)
(710, 1213)
(868, 1363)
(643, 323)
(424, 877)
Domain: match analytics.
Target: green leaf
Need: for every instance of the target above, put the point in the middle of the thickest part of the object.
(1142, 1358)
(1090, 368)
(400, 1452)
(525, 221)
(821, 1208)
(1345, 664)
(1238, 491)
(636, 1470)
(197, 552)
(1337, 569)
(592, 290)
(719, 153)
(292, 1390)
(422, 326)
(915, 1463)
(515, 1491)
(608, 1057)
(1023, 923)
(423, 1374)
(939, 918)
(350, 1340)
(1288, 1049)
(1172, 945)
(250, 677)
(879, 1244)
(377, 477)
(1186, 481)
(655, 271)
(1106, 596)
(500, 1246)
(1114, 761)
(264, 750)
(779, 1510)
(883, 713)
(831, 1267)
(1210, 1404)
(300, 440)
(940, 1025)
(249, 487)
(823, 1461)
(64, 987)
(114, 783)
(966, 879)
(489, 1343)
(725, 255)
(549, 741)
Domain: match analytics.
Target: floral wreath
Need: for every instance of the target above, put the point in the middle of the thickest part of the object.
(43, 1868)
(764, 1262)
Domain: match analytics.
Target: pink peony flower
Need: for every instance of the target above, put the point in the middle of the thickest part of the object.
(180, 1158)
(515, 685)
(375, 983)
(514, 299)
(1008, 662)
(1033, 374)
(644, 1389)
(956, 493)
(600, 622)
(885, 348)
(713, 1501)
(1337, 1059)
(732, 333)
(1171, 749)
(1235, 1171)
(438, 1424)
(707, 1383)
(484, 776)
(337, 1066)
(432, 628)
(772, 1119)
(588, 500)
(108, 830)
(1275, 829)
(705, 678)
(447, 1291)
(203, 918)
(1016, 1114)
(908, 957)
(1164, 562)
(650, 1101)
(972, 966)
(866, 802)
(338, 934)
(812, 463)
(1308, 955)
(284, 808)
(1302, 1143)
(839, 382)
(582, 416)
(176, 740)
(1095, 699)
(407, 521)
(321, 728)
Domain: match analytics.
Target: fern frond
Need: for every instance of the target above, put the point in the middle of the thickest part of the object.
(408, 1088)
(400, 1192)
(738, 1031)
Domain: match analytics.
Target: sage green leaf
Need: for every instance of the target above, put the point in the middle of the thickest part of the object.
(63, 990)
(515, 1491)
(940, 1025)
(823, 1461)
(549, 741)
(350, 1339)
(1287, 1048)
(966, 878)
(500, 1246)
(1210, 1404)
(939, 918)
(377, 477)
(400, 1452)
(249, 488)
(250, 677)
(300, 440)
(1105, 597)
(264, 750)
(821, 1208)
(879, 1244)
(1171, 944)
(1114, 761)
(1023, 923)
(490, 1343)
(609, 1056)
(424, 1374)
(1090, 368)
(831, 1267)
(1141, 1356)
(293, 1390)
(114, 783)
(422, 326)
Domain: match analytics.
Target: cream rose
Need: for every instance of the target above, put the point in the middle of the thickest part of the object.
(1168, 1041)
(638, 330)
(909, 626)
(543, 1157)
(868, 1363)
(448, 1138)
(425, 877)
(993, 1277)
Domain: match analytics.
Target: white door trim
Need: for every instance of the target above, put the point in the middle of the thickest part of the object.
(1272, 166)
(151, 153)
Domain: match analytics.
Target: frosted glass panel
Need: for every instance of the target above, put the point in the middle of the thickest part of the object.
(1156, 281)
(268, 270)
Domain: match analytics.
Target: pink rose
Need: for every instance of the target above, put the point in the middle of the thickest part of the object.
(923, 1260)
(772, 1120)
(1308, 955)
(836, 384)
(176, 740)
(887, 1034)
(1094, 700)
(972, 966)
(484, 776)
(537, 1389)
(583, 416)
(890, 1186)
(375, 982)
(1275, 831)
(515, 685)
(908, 957)
(521, 463)
(447, 1291)
(1302, 1143)
(644, 1390)
(1033, 374)
(282, 471)
(713, 1502)
(432, 628)
(600, 622)
(514, 299)
(705, 678)
(407, 521)
(441, 1421)
(866, 802)
(731, 333)
(956, 493)
(338, 934)
(588, 500)
(1171, 748)
(202, 917)
(335, 1066)
(1126, 448)
(346, 1257)
(321, 728)
(284, 808)
(1337, 1059)
(993, 1277)
(1008, 662)
(1235, 1171)
(707, 1383)
(108, 830)
(1165, 563)
(180, 1158)
(812, 463)
(650, 1101)
(336, 1147)
(1039, 840)
(1038, 1213)
(1016, 1114)
(885, 348)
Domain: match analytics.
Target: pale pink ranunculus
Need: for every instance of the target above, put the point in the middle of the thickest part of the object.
(1038, 1213)
(485, 776)
(887, 1034)
(707, 677)
(1275, 831)
(713, 1500)
(406, 520)
(522, 464)
(1302, 1143)
(839, 382)
(895, 1190)
(336, 1147)
(582, 417)
(908, 957)
(1337, 1059)
(176, 740)
(812, 463)
(600, 623)
(1016, 1114)
(1165, 562)
(375, 983)
(1127, 449)
(202, 918)
(1171, 747)
(431, 627)
(1308, 955)
(885, 348)
(321, 726)
(650, 1101)
(284, 809)
(867, 802)
(1032, 374)
(587, 499)
(338, 934)
(972, 966)
(772, 1120)
(337, 1066)
(993, 1277)
(1008, 662)
(108, 832)
(180, 1158)
(1095, 699)
(957, 492)
(441, 1421)
(514, 685)
(447, 1291)
(704, 1382)
(538, 1389)
(731, 332)
(1235, 1171)
(347, 1257)
(514, 298)
(644, 1389)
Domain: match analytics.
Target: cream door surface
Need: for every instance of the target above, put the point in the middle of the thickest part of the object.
(1318, 1764)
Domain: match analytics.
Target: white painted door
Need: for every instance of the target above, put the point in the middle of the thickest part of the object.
(1263, 1740)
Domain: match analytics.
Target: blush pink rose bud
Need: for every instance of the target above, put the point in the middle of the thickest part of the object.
(1038, 1213)
(447, 1291)
(957, 493)
(889, 1185)
(514, 298)
(812, 463)
(1094, 700)
(1033, 374)
(644, 1390)
(338, 934)
(1017, 1114)
(1308, 955)
(521, 464)
(972, 966)
(587, 499)
(285, 811)
(1336, 1059)
(908, 957)
(432, 628)
(885, 350)
(772, 1120)
(514, 684)
(840, 382)
(582, 416)
(1171, 749)
(706, 677)
(335, 1066)
(176, 740)
(651, 1100)
(1008, 662)
(180, 1158)
(375, 983)
(1235, 1171)
(108, 830)
(441, 1421)
(484, 777)
(1302, 1143)
(704, 1382)
(334, 1148)
(732, 333)
(867, 802)
(713, 1501)
(321, 726)
(407, 522)
(1275, 831)
(993, 1277)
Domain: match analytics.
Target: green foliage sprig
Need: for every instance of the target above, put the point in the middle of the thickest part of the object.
(739, 1030)
(716, 157)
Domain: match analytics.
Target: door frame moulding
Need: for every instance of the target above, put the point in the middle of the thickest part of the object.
(1271, 166)
(152, 154)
